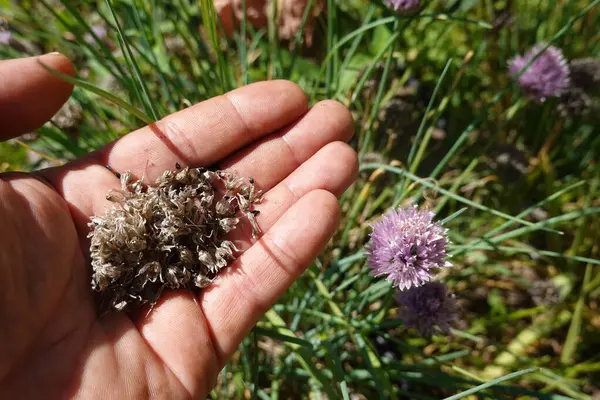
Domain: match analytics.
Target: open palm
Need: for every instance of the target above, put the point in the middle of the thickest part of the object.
(52, 342)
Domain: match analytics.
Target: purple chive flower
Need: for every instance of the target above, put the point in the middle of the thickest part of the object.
(427, 307)
(403, 5)
(5, 37)
(406, 245)
(547, 76)
(99, 31)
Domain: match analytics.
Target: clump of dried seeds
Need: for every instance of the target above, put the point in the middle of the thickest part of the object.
(169, 235)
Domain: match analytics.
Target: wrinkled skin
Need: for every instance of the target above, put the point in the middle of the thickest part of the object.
(52, 342)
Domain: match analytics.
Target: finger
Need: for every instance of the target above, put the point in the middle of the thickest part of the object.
(333, 168)
(29, 94)
(234, 303)
(176, 329)
(274, 157)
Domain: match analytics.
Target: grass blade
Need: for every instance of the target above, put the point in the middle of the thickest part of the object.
(453, 215)
(209, 20)
(299, 38)
(491, 383)
(146, 42)
(146, 100)
(96, 90)
(273, 334)
(568, 351)
(413, 148)
(354, 47)
(389, 47)
(453, 196)
(243, 33)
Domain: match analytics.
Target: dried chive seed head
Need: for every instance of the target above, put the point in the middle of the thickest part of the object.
(399, 113)
(509, 162)
(406, 246)
(585, 73)
(544, 293)
(575, 102)
(427, 308)
(170, 235)
(578, 99)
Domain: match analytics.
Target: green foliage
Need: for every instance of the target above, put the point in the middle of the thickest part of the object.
(438, 122)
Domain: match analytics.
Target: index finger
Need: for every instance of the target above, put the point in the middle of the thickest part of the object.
(30, 95)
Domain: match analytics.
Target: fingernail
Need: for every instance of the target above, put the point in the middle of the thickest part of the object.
(54, 53)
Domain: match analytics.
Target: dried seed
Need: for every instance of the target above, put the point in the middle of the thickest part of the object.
(228, 224)
(168, 235)
(225, 206)
(255, 228)
(202, 281)
(206, 258)
(185, 255)
(150, 271)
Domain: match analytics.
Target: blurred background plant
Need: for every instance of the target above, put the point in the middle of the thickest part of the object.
(440, 122)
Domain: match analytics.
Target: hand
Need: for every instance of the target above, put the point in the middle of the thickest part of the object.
(52, 343)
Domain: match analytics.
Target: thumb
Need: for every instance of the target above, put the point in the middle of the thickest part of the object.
(29, 94)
